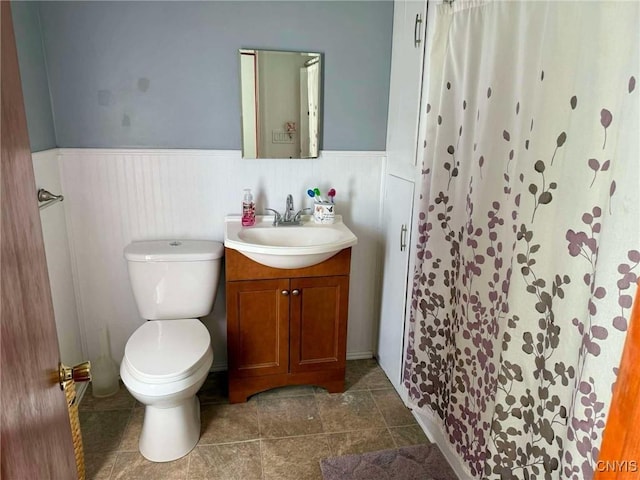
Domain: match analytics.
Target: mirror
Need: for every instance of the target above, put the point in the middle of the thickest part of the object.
(280, 104)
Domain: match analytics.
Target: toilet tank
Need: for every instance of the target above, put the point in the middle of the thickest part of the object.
(174, 279)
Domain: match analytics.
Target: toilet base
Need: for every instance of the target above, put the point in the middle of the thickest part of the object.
(170, 433)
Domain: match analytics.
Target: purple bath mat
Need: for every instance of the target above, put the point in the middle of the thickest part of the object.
(417, 462)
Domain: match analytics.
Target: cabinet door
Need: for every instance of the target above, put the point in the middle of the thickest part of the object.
(258, 327)
(409, 20)
(397, 213)
(319, 309)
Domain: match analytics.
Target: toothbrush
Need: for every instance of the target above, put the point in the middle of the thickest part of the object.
(311, 193)
(331, 193)
(316, 191)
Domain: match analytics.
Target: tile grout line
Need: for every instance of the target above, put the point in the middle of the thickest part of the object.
(261, 459)
(291, 436)
(404, 406)
(389, 428)
(118, 452)
(325, 437)
(258, 417)
(113, 467)
(260, 437)
(189, 462)
(315, 400)
(129, 420)
(386, 424)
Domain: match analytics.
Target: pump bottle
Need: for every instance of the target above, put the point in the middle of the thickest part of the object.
(248, 209)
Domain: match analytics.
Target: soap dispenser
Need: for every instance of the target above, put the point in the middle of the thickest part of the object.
(248, 209)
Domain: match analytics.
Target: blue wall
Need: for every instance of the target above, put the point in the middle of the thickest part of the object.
(35, 89)
(165, 74)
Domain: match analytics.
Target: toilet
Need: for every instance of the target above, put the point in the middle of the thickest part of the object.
(167, 359)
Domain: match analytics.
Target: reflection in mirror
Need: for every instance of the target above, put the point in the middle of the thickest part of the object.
(280, 104)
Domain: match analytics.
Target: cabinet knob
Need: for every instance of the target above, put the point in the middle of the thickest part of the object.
(285, 292)
(295, 293)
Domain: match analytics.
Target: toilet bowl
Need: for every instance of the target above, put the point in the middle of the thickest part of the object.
(167, 359)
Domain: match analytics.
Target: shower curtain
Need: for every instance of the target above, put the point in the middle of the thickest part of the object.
(528, 232)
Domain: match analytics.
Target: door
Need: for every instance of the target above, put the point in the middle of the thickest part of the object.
(258, 327)
(35, 429)
(620, 450)
(397, 213)
(319, 310)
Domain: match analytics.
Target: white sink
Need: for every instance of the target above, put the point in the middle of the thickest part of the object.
(287, 247)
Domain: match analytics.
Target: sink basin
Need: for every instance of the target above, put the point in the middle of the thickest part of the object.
(287, 247)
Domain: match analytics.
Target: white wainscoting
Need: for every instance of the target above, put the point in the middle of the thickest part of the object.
(56, 245)
(114, 196)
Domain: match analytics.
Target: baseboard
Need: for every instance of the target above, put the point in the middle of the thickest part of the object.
(219, 367)
(434, 433)
(359, 355)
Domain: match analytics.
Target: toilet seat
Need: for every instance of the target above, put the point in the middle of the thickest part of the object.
(167, 351)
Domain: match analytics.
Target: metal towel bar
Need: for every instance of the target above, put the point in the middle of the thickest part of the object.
(48, 198)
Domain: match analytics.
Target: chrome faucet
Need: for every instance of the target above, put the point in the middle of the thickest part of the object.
(289, 218)
(288, 210)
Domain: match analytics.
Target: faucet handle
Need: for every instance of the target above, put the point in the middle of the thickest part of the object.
(296, 217)
(277, 218)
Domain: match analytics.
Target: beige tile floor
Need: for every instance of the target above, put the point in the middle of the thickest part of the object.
(281, 434)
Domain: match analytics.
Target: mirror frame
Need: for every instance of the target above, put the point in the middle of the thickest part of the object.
(298, 137)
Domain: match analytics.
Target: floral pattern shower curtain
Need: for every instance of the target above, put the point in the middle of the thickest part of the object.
(528, 231)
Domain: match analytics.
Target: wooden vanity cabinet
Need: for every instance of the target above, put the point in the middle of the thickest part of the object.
(286, 326)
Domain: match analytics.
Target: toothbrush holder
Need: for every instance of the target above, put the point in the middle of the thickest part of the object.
(324, 212)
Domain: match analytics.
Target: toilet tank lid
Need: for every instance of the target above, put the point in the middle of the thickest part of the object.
(173, 251)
